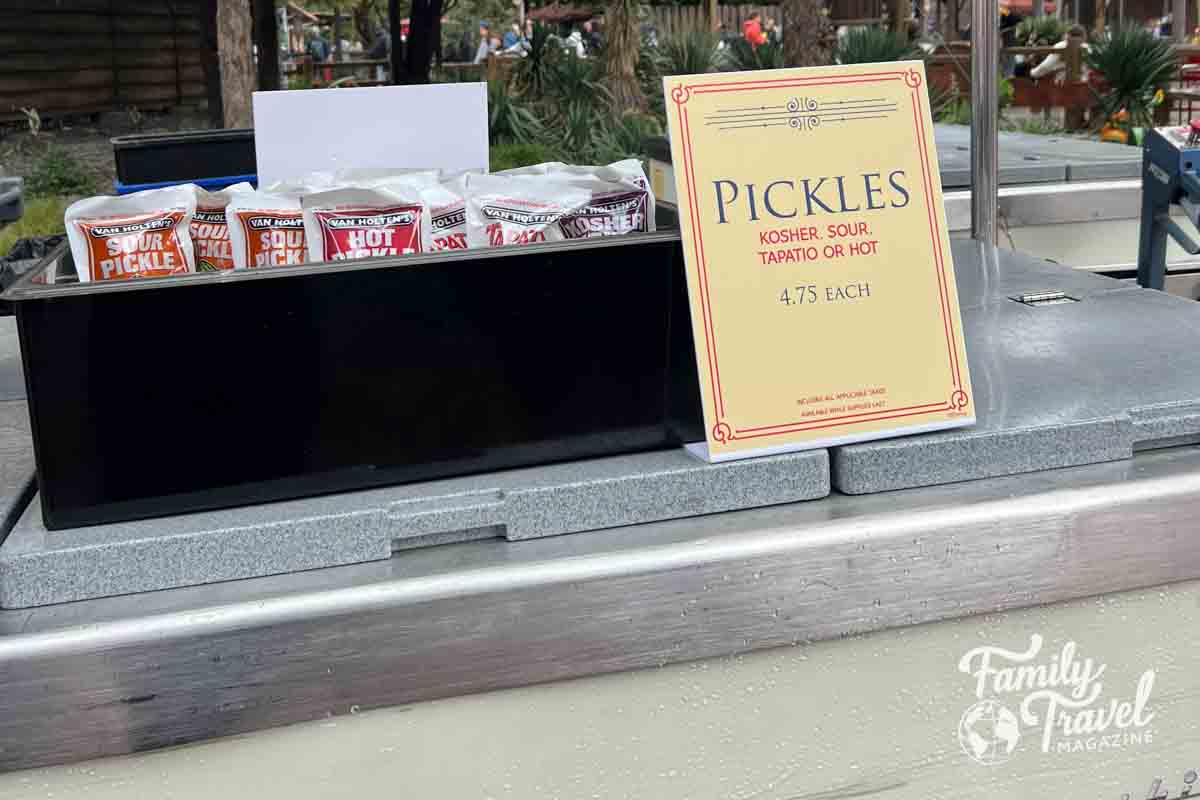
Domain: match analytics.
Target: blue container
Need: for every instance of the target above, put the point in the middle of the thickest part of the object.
(212, 184)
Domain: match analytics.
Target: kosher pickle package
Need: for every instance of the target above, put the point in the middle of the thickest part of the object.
(352, 214)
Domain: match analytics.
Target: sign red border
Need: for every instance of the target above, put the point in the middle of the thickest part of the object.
(722, 430)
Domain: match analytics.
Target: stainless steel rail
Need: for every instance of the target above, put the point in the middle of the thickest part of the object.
(985, 148)
(127, 674)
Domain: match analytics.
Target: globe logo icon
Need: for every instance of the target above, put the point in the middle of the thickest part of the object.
(988, 733)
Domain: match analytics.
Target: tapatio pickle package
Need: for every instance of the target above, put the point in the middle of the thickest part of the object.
(209, 229)
(518, 209)
(445, 226)
(266, 230)
(359, 222)
(139, 235)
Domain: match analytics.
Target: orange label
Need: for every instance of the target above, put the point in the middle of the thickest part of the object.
(210, 238)
(273, 238)
(136, 246)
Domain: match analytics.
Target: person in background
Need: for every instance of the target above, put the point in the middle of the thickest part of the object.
(1054, 65)
(484, 48)
(381, 46)
(591, 38)
(752, 30)
(774, 35)
(574, 43)
(318, 48)
(495, 45)
(512, 36)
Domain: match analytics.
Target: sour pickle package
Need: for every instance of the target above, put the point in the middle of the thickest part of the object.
(135, 236)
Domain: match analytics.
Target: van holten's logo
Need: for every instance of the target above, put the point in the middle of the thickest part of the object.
(1057, 695)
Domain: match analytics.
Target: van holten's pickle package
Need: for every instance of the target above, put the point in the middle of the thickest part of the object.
(506, 210)
(135, 236)
(210, 233)
(357, 222)
(265, 230)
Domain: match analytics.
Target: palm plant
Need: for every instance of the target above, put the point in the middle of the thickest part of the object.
(1135, 66)
(530, 72)
(690, 53)
(872, 45)
(741, 55)
(1041, 31)
(509, 121)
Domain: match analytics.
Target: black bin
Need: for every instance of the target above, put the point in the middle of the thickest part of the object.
(184, 156)
(171, 395)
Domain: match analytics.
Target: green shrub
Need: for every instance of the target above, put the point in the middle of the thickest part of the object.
(510, 156)
(691, 53)
(57, 173)
(1041, 31)
(43, 217)
(740, 55)
(872, 45)
(509, 120)
(1134, 65)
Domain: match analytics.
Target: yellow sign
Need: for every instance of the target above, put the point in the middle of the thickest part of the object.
(822, 288)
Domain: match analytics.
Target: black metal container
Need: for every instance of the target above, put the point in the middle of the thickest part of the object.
(152, 158)
(171, 395)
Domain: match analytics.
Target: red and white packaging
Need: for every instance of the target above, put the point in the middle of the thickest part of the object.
(359, 222)
(265, 230)
(139, 235)
(209, 229)
(445, 226)
(506, 210)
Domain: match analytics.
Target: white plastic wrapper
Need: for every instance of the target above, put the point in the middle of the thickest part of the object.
(505, 210)
(265, 230)
(209, 229)
(364, 177)
(358, 222)
(445, 225)
(621, 200)
(139, 235)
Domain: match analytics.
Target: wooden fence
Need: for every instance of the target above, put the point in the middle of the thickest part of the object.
(671, 20)
(81, 56)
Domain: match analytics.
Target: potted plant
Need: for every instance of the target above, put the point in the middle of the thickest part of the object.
(1132, 70)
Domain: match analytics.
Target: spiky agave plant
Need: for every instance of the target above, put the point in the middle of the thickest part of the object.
(872, 45)
(690, 53)
(1044, 30)
(741, 55)
(1134, 65)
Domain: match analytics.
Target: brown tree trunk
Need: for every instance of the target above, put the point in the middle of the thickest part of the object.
(210, 61)
(621, 54)
(806, 33)
(266, 36)
(236, 54)
(423, 25)
(901, 15)
(714, 14)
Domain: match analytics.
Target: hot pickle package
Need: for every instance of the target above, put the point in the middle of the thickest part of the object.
(140, 235)
(265, 230)
(358, 222)
(210, 231)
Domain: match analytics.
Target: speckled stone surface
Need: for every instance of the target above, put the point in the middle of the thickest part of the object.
(16, 445)
(1055, 385)
(986, 274)
(40, 567)
(1030, 158)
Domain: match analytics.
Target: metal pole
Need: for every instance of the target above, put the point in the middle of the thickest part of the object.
(985, 68)
(1179, 20)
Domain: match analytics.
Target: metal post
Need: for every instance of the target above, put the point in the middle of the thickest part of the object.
(1179, 32)
(985, 68)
